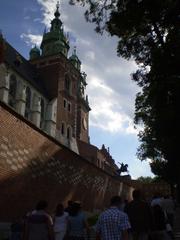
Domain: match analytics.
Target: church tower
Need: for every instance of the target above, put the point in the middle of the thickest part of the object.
(55, 40)
(65, 83)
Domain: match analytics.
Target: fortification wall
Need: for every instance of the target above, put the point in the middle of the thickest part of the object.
(34, 166)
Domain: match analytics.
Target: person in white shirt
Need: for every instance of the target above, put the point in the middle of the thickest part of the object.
(168, 206)
(157, 200)
(60, 222)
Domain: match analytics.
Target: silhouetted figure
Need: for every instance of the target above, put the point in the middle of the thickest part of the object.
(168, 206)
(60, 222)
(76, 223)
(16, 230)
(157, 200)
(159, 224)
(140, 218)
(38, 224)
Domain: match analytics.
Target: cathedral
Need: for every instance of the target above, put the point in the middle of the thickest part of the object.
(49, 90)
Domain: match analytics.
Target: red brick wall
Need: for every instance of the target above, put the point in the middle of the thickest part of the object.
(33, 166)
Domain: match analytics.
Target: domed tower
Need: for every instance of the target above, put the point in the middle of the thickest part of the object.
(55, 41)
(34, 53)
(75, 60)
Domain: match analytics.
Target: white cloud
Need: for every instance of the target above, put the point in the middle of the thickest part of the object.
(107, 113)
(31, 39)
(37, 20)
(26, 17)
(90, 55)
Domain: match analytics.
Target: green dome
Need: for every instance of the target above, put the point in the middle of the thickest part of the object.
(75, 60)
(34, 53)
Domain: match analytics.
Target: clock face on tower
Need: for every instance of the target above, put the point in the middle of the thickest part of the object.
(84, 123)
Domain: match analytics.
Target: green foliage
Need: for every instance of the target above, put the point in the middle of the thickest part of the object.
(145, 179)
(149, 179)
(148, 31)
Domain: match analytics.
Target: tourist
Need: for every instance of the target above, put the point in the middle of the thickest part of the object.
(38, 224)
(168, 206)
(113, 224)
(157, 200)
(139, 214)
(16, 230)
(159, 231)
(77, 223)
(60, 222)
(68, 208)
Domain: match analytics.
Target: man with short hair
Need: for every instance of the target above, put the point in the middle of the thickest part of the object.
(113, 224)
(140, 218)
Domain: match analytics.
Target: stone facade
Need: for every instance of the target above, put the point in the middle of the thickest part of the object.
(34, 166)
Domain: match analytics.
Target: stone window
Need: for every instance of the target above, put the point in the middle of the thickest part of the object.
(67, 84)
(65, 102)
(69, 133)
(69, 107)
(12, 91)
(28, 103)
(62, 128)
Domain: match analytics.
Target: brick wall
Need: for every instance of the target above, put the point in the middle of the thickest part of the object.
(34, 166)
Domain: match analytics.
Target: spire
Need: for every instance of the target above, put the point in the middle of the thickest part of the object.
(2, 47)
(1, 34)
(56, 24)
(55, 41)
(57, 13)
(74, 51)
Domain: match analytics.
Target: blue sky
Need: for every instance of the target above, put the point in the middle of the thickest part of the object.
(110, 88)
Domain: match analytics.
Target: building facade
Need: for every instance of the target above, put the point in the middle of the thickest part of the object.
(49, 90)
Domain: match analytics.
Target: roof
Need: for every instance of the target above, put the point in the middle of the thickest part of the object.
(24, 68)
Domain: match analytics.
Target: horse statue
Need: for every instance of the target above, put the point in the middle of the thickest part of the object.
(123, 168)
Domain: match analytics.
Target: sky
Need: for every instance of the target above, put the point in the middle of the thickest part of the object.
(110, 88)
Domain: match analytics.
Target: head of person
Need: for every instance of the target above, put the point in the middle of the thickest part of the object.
(42, 205)
(59, 209)
(75, 209)
(116, 201)
(156, 195)
(70, 202)
(136, 194)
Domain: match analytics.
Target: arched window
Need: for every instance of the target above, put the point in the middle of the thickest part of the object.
(69, 133)
(42, 113)
(67, 84)
(12, 91)
(62, 128)
(28, 103)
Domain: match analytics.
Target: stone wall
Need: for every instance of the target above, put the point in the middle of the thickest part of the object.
(34, 166)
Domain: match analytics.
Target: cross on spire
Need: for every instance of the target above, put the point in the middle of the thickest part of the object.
(57, 5)
(57, 14)
(74, 50)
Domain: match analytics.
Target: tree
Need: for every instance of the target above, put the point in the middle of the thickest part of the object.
(148, 32)
(149, 179)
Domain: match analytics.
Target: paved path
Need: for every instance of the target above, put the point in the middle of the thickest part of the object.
(177, 224)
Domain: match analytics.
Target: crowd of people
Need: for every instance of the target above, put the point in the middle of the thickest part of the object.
(123, 220)
(137, 219)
